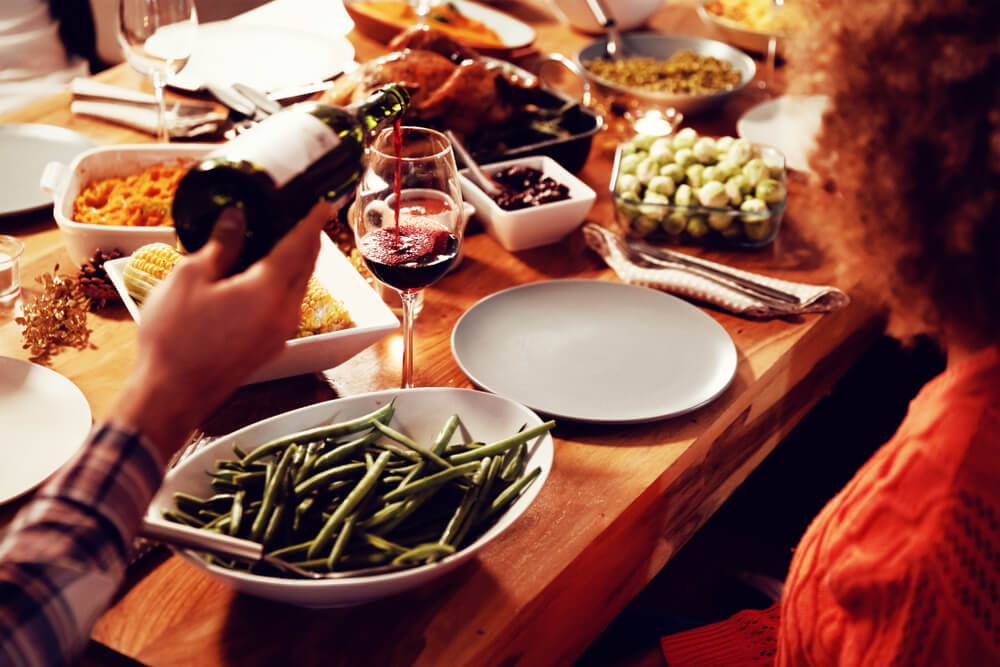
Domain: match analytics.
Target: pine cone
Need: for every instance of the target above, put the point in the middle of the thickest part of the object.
(94, 281)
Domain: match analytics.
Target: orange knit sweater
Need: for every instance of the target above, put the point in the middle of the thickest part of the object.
(903, 565)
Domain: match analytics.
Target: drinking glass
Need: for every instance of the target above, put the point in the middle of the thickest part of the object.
(157, 37)
(409, 222)
(772, 44)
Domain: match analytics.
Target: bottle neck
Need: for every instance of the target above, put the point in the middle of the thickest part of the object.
(381, 109)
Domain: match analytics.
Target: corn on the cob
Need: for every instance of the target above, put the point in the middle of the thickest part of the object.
(149, 265)
(321, 312)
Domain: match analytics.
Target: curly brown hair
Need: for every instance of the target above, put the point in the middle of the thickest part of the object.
(909, 155)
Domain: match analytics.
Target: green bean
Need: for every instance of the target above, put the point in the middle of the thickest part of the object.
(341, 542)
(290, 551)
(341, 452)
(274, 524)
(341, 428)
(425, 553)
(445, 434)
(271, 493)
(486, 497)
(503, 445)
(182, 517)
(381, 543)
(411, 444)
(188, 503)
(319, 479)
(514, 462)
(455, 528)
(313, 450)
(508, 495)
(237, 512)
(353, 499)
(431, 481)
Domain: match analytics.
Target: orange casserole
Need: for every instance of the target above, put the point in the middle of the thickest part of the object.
(140, 200)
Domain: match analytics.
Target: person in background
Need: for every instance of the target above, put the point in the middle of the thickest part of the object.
(901, 567)
(202, 335)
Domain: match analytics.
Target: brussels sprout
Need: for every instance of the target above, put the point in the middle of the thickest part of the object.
(704, 149)
(685, 138)
(643, 141)
(719, 221)
(757, 231)
(697, 226)
(695, 175)
(755, 170)
(629, 163)
(731, 232)
(644, 225)
(685, 157)
(770, 190)
(740, 152)
(661, 150)
(775, 166)
(675, 223)
(754, 209)
(684, 196)
(628, 209)
(713, 194)
(646, 169)
(674, 171)
(628, 148)
(628, 184)
(727, 169)
(711, 173)
(723, 144)
(663, 185)
(736, 187)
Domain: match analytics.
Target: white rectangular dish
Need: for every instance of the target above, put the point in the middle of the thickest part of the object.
(536, 225)
(373, 319)
(64, 183)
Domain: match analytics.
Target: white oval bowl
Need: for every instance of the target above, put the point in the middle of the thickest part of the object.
(420, 414)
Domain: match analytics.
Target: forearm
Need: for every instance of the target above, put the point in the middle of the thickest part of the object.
(65, 555)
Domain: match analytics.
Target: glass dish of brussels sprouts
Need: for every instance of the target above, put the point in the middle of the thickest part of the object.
(687, 188)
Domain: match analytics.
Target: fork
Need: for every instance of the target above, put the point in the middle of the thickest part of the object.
(646, 256)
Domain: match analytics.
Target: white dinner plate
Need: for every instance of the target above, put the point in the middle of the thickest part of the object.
(44, 419)
(263, 57)
(595, 351)
(25, 149)
(789, 123)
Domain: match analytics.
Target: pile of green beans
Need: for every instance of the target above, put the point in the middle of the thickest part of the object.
(359, 494)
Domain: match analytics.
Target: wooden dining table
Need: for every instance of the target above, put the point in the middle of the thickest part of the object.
(620, 501)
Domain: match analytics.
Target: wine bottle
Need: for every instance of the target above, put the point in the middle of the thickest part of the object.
(275, 172)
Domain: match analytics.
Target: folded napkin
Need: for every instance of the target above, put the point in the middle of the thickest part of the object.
(814, 298)
(139, 110)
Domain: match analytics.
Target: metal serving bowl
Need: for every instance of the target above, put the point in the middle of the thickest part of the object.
(661, 47)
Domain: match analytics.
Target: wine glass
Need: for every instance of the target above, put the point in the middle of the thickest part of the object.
(408, 224)
(157, 37)
(772, 44)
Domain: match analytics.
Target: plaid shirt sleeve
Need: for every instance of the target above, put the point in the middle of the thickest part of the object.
(65, 554)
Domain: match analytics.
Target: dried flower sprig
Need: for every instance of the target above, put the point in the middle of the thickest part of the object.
(55, 318)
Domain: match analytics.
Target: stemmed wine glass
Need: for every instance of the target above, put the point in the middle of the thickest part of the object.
(772, 44)
(408, 221)
(157, 37)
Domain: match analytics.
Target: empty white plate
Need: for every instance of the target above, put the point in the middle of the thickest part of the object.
(789, 123)
(25, 149)
(44, 419)
(595, 351)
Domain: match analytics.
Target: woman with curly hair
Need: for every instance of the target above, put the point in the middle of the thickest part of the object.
(903, 565)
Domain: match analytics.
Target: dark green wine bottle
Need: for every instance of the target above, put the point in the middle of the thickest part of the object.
(279, 169)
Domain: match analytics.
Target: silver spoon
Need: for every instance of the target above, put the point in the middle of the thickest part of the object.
(614, 49)
(482, 180)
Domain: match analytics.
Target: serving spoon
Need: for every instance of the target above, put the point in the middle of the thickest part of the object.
(614, 49)
(478, 175)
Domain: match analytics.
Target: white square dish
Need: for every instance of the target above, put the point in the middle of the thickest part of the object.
(372, 318)
(536, 225)
(64, 183)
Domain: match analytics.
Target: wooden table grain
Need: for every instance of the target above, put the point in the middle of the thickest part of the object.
(619, 502)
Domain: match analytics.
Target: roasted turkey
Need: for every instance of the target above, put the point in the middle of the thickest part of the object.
(450, 85)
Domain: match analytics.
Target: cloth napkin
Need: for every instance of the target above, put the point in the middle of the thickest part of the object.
(814, 298)
(138, 110)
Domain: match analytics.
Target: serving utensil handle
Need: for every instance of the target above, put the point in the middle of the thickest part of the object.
(188, 537)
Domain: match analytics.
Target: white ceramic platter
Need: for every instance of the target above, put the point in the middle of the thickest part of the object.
(789, 123)
(25, 149)
(595, 351)
(373, 319)
(419, 413)
(266, 58)
(44, 419)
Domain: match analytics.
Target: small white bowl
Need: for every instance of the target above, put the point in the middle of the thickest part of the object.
(419, 413)
(64, 183)
(373, 319)
(536, 225)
